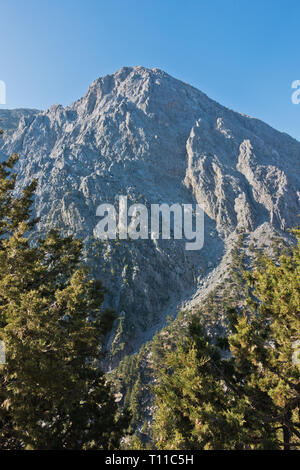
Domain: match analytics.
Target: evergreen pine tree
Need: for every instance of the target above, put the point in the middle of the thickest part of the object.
(243, 391)
(53, 395)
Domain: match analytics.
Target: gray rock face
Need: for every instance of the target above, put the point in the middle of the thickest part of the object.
(144, 134)
(10, 119)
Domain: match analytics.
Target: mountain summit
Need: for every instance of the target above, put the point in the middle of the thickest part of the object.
(144, 134)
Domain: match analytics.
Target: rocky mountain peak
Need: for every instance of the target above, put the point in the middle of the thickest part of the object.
(144, 134)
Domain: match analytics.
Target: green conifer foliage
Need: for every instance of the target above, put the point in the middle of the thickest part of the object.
(53, 395)
(243, 390)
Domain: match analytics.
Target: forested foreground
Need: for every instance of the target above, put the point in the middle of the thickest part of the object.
(228, 385)
(226, 376)
(53, 395)
(239, 390)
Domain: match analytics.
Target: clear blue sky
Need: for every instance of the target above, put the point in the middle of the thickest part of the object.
(243, 53)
